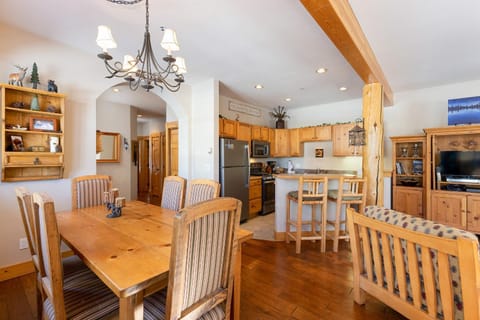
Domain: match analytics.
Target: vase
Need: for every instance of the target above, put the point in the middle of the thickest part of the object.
(34, 104)
(280, 124)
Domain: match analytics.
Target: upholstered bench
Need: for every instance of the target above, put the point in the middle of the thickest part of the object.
(422, 269)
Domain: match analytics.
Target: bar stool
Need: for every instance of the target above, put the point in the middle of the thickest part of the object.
(315, 194)
(351, 191)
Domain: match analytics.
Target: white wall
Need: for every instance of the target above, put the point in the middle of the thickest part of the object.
(145, 128)
(204, 148)
(119, 171)
(264, 119)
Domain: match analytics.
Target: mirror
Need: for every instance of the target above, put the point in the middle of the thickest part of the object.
(108, 146)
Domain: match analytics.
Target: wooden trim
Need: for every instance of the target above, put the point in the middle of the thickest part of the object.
(169, 126)
(279, 236)
(338, 21)
(16, 270)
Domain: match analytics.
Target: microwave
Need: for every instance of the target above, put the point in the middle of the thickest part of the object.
(260, 149)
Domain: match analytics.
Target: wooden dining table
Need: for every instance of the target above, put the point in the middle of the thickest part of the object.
(131, 253)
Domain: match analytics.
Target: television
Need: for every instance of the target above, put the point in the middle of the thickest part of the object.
(460, 164)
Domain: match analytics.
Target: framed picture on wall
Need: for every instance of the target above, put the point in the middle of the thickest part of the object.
(464, 111)
(318, 153)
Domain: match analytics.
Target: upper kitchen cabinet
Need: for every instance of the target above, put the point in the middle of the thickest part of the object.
(296, 147)
(32, 133)
(281, 145)
(259, 133)
(227, 128)
(340, 141)
(244, 131)
(316, 133)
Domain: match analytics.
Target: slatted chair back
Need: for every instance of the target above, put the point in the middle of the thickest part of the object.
(351, 191)
(87, 191)
(82, 296)
(202, 260)
(49, 248)
(173, 195)
(25, 204)
(199, 190)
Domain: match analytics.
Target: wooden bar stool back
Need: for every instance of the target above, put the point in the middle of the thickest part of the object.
(351, 191)
(313, 192)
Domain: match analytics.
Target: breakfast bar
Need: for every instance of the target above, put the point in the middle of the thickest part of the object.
(284, 183)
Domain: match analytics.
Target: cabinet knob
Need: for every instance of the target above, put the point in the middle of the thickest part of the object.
(36, 161)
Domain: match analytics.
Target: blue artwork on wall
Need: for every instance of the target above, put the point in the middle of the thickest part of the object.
(463, 111)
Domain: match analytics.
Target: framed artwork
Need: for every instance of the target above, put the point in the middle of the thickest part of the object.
(464, 111)
(17, 143)
(43, 124)
(318, 153)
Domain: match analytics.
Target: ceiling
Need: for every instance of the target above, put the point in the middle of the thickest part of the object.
(275, 43)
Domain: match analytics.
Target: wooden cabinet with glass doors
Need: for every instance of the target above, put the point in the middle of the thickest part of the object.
(408, 179)
(32, 133)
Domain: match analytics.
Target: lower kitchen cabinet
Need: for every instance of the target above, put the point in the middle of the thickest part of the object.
(255, 196)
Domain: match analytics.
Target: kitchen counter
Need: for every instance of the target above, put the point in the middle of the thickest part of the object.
(286, 182)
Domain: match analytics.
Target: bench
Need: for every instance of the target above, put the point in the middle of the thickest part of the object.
(415, 266)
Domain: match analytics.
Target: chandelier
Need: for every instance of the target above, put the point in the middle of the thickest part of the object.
(144, 70)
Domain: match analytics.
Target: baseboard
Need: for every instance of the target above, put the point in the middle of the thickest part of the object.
(23, 268)
(16, 270)
(279, 236)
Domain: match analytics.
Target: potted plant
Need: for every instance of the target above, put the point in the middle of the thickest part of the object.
(280, 114)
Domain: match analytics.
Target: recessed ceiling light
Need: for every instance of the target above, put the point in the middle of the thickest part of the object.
(342, 88)
(288, 99)
(116, 90)
(139, 115)
(321, 70)
(258, 86)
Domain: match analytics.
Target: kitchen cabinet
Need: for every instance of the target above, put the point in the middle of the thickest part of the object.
(340, 141)
(449, 208)
(408, 178)
(271, 139)
(259, 133)
(227, 128)
(254, 196)
(244, 131)
(295, 146)
(316, 133)
(281, 146)
(33, 142)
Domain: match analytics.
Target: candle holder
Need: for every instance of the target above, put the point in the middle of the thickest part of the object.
(114, 203)
(415, 151)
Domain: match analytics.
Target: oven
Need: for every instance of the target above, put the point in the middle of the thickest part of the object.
(268, 194)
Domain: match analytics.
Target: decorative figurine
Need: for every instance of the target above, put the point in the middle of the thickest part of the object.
(34, 104)
(113, 202)
(415, 151)
(52, 87)
(34, 76)
(404, 152)
(17, 77)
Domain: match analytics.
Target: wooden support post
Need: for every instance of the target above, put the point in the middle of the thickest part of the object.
(373, 151)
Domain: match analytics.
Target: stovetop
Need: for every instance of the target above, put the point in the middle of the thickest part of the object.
(265, 176)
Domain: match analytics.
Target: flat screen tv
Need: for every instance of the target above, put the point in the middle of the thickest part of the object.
(460, 164)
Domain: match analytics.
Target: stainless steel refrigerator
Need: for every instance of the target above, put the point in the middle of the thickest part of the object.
(234, 171)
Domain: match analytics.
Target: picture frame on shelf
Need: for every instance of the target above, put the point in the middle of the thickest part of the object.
(399, 167)
(417, 167)
(17, 143)
(43, 124)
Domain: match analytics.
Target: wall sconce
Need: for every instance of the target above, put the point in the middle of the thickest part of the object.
(125, 143)
(356, 136)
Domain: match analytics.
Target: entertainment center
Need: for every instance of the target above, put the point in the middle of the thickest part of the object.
(453, 176)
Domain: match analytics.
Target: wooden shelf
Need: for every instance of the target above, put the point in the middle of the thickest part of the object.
(24, 165)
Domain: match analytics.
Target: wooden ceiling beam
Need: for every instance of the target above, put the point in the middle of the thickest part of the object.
(338, 21)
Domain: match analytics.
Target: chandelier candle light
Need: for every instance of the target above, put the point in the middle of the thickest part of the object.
(144, 68)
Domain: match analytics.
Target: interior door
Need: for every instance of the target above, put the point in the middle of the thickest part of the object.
(171, 157)
(156, 177)
(143, 165)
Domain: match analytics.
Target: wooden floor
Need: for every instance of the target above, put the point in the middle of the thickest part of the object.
(276, 284)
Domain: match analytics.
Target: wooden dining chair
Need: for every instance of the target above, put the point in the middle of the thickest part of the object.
(87, 191)
(199, 190)
(81, 297)
(350, 192)
(202, 262)
(312, 192)
(173, 195)
(71, 265)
